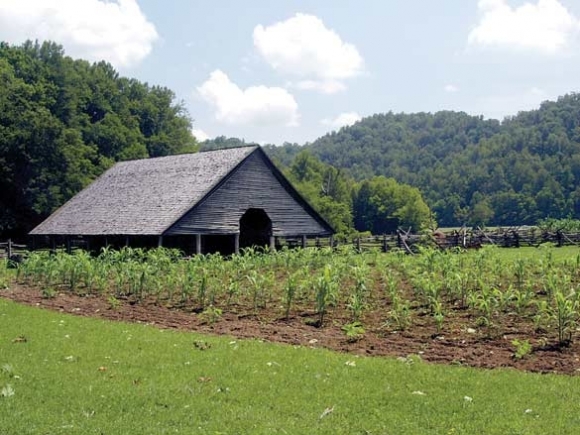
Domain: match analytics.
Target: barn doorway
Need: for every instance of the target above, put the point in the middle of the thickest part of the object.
(255, 228)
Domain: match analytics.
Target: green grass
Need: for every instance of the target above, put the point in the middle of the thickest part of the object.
(72, 375)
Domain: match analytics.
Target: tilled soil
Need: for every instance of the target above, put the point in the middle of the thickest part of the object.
(458, 343)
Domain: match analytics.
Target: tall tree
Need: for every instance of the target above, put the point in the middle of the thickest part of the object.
(64, 121)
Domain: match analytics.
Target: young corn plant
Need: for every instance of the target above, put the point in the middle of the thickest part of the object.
(354, 331)
(438, 315)
(522, 298)
(257, 286)
(485, 302)
(202, 287)
(357, 301)
(400, 313)
(542, 316)
(290, 287)
(565, 314)
(325, 286)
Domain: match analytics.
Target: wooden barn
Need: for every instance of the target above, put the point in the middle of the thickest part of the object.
(214, 201)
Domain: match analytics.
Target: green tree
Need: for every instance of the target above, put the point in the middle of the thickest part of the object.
(64, 121)
(381, 205)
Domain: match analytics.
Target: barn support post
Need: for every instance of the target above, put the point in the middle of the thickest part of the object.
(127, 242)
(237, 243)
(303, 242)
(272, 243)
(160, 242)
(53, 245)
(331, 241)
(198, 243)
(68, 245)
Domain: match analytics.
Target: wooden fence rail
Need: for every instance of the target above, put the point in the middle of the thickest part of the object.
(466, 238)
(512, 237)
(9, 249)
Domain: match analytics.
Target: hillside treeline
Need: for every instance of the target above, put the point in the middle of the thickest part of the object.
(64, 121)
(469, 170)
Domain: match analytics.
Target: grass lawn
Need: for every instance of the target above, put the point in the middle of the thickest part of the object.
(61, 374)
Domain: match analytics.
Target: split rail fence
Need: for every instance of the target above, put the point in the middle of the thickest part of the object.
(513, 237)
(465, 238)
(9, 249)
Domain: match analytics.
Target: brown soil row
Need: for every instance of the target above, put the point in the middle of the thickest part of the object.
(457, 344)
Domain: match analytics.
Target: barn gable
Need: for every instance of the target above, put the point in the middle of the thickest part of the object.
(255, 184)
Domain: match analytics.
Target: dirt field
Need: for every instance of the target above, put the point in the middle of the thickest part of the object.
(458, 343)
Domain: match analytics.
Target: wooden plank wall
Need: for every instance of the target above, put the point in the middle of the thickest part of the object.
(253, 185)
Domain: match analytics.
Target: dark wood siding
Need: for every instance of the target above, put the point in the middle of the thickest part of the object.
(254, 184)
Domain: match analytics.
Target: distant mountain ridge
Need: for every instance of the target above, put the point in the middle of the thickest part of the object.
(469, 169)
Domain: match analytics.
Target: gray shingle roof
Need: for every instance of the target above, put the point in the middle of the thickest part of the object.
(143, 197)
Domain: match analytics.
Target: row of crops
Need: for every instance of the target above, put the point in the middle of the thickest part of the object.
(489, 287)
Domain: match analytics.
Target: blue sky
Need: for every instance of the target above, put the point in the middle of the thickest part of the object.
(291, 71)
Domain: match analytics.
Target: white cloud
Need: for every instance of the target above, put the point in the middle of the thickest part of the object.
(116, 31)
(322, 86)
(200, 135)
(303, 46)
(451, 88)
(342, 120)
(546, 26)
(256, 105)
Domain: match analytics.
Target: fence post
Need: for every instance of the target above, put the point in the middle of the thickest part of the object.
(385, 246)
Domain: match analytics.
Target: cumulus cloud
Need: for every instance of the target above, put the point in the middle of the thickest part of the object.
(256, 105)
(322, 86)
(304, 47)
(200, 135)
(116, 31)
(545, 26)
(342, 120)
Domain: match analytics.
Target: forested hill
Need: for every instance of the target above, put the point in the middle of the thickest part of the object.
(64, 121)
(470, 170)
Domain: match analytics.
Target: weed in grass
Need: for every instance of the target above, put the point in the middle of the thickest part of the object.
(7, 391)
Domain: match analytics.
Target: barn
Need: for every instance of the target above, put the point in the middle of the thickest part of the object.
(214, 201)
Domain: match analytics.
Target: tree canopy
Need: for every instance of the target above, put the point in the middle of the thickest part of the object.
(379, 205)
(64, 121)
(470, 170)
